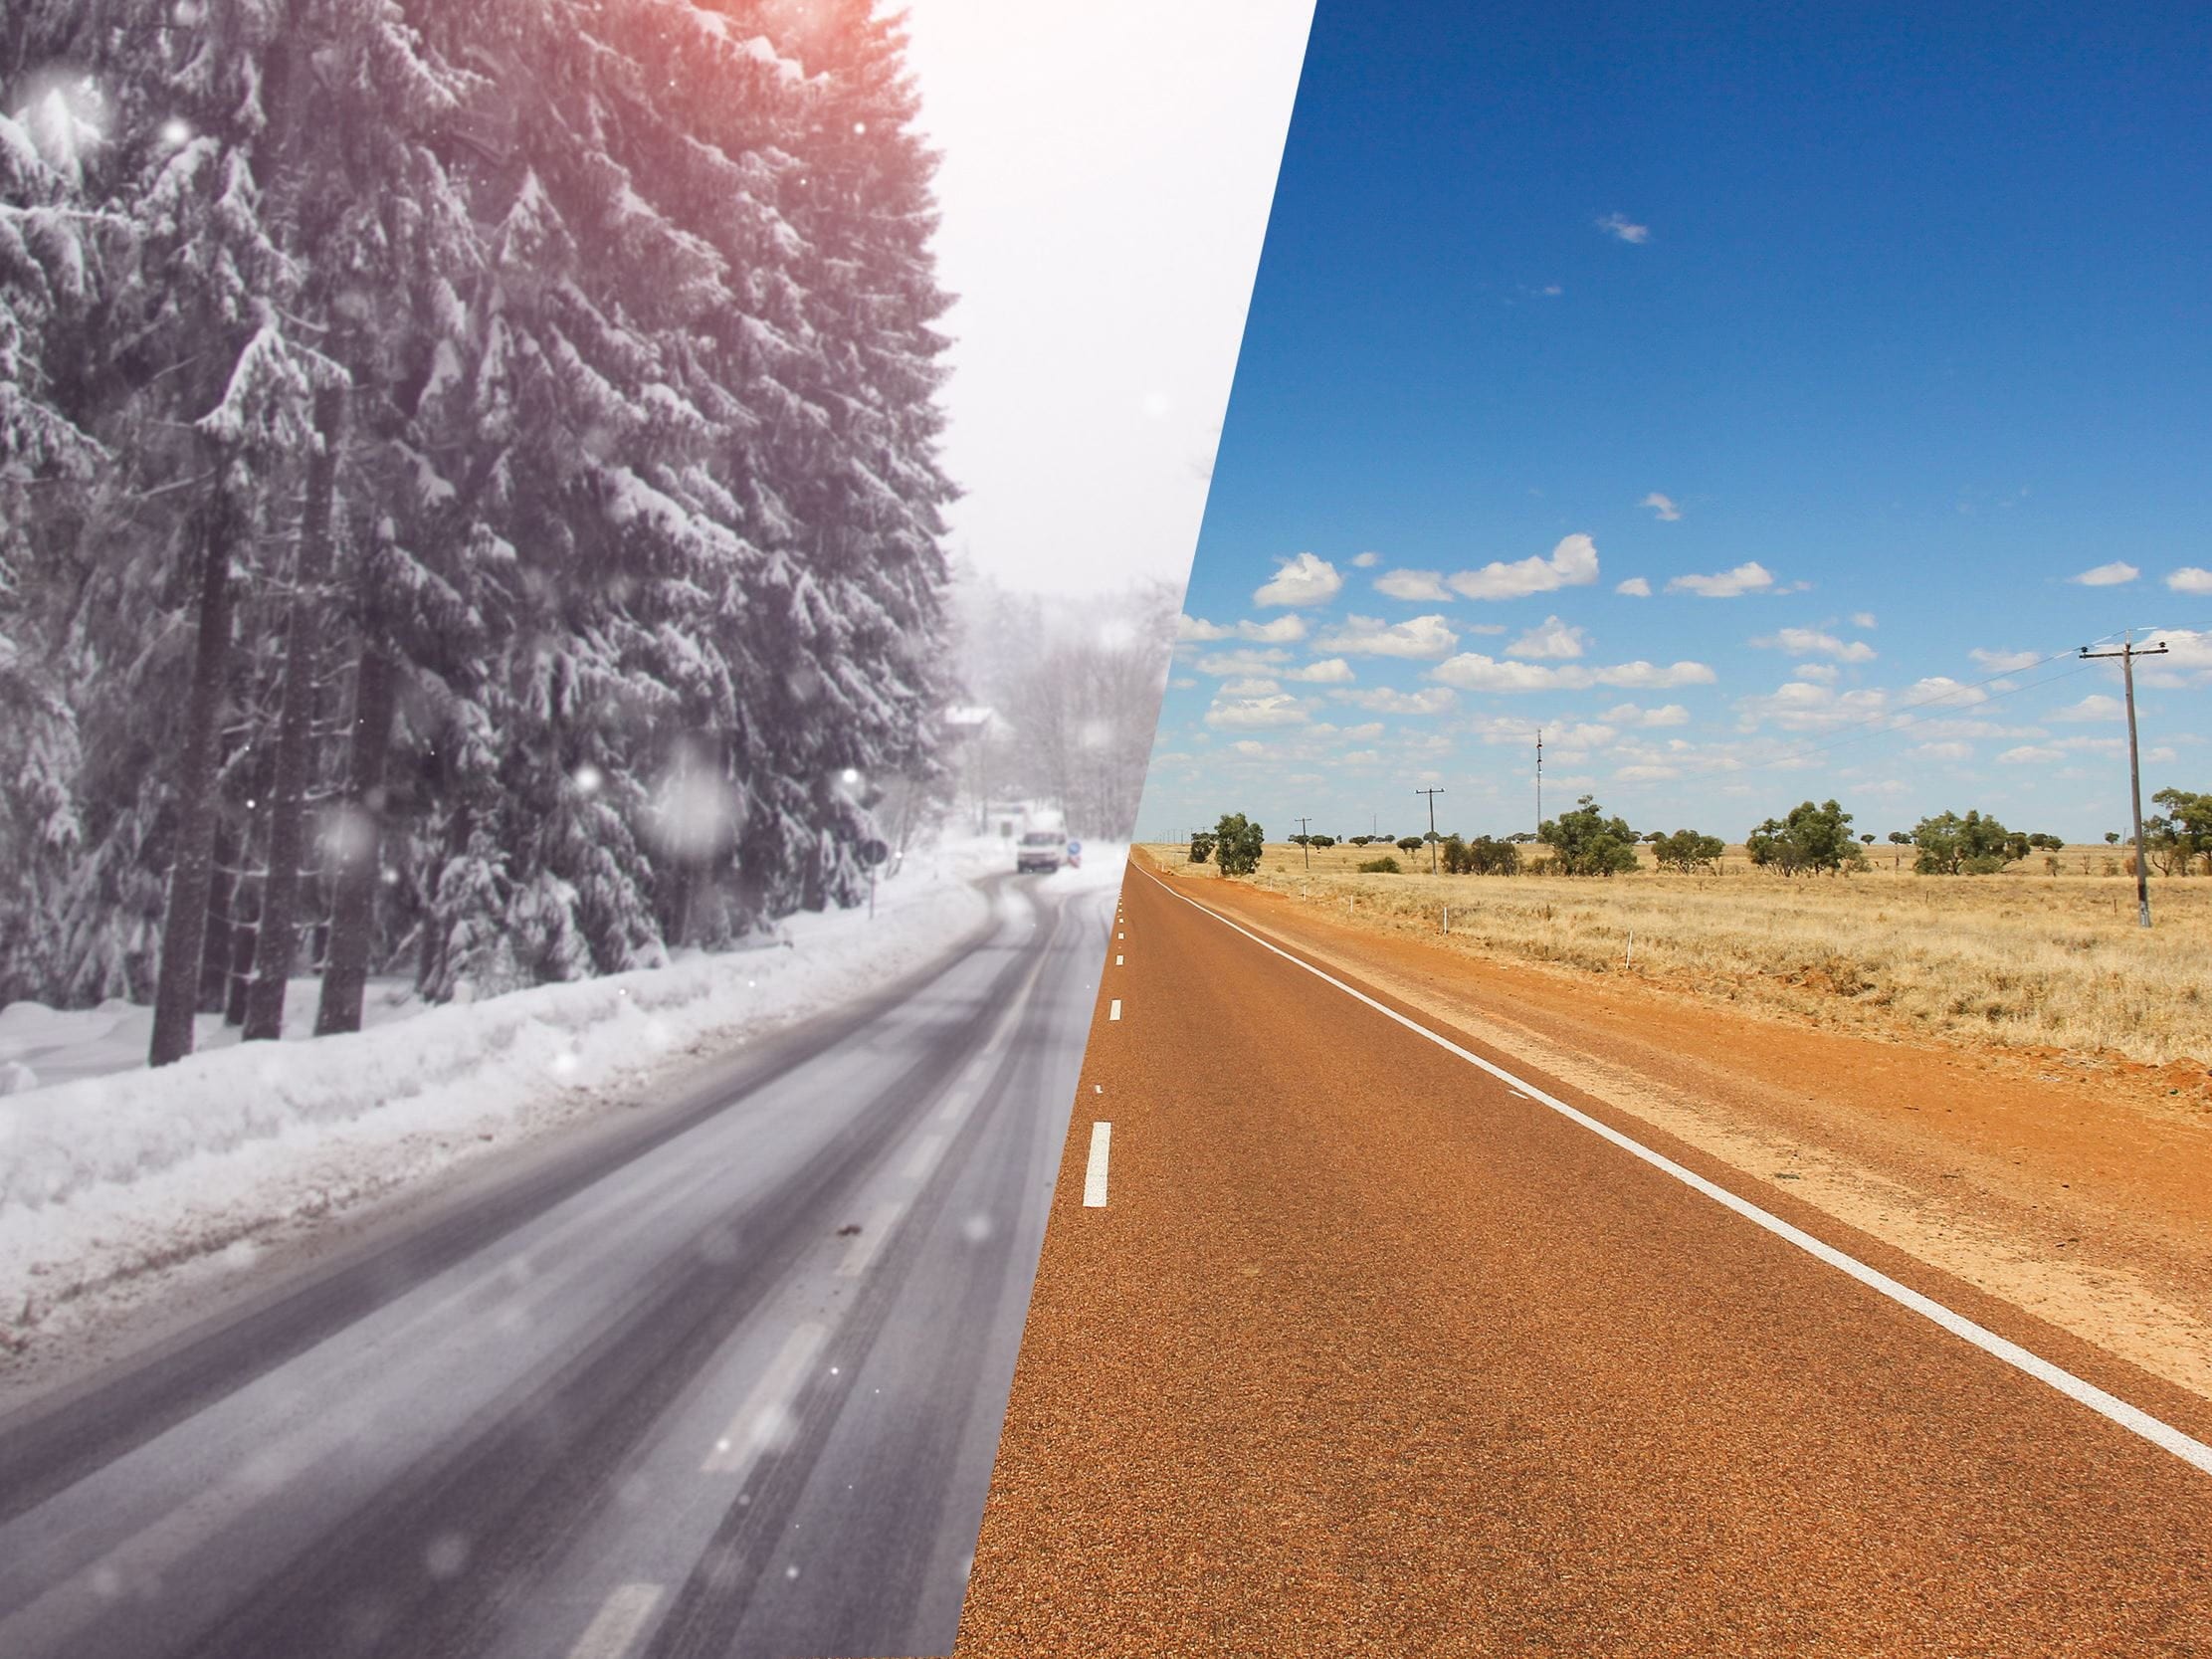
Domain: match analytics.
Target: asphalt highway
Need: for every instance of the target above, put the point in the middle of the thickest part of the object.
(1348, 1340)
(724, 1378)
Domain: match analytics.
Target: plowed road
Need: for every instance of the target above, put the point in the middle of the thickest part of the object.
(1370, 1350)
(726, 1378)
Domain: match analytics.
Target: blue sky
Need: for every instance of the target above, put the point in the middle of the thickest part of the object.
(1873, 343)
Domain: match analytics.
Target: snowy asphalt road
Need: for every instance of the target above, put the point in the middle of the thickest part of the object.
(729, 1379)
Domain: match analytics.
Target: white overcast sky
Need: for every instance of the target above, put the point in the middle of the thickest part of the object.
(1105, 187)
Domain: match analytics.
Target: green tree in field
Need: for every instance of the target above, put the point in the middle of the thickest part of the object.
(1488, 856)
(1452, 850)
(1409, 843)
(2184, 833)
(1952, 845)
(1201, 847)
(1322, 840)
(1585, 842)
(1384, 866)
(1238, 843)
(1811, 838)
(1685, 850)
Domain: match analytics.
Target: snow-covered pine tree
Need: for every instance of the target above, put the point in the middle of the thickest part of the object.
(847, 630)
(50, 249)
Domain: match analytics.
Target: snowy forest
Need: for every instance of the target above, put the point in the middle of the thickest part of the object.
(1073, 687)
(469, 488)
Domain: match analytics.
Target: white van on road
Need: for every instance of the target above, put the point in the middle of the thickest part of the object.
(1040, 850)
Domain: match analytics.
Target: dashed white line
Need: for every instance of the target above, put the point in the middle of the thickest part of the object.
(1118, 962)
(1095, 1172)
(869, 1240)
(924, 1156)
(1114, 1012)
(621, 1620)
(765, 1417)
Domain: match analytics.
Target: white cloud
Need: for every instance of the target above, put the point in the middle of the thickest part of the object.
(1942, 689)
(1820, 673)
(1941, 752)
(1862, 619)
(1412, 584)
(1248, 687)
(1647, 773)
(2096, 706)
(1650, 676)
(1663, 506)
(1471, 671)
(1367, 561)
(2108, 575)
(1434, 700)
(2005, 662)
(1745, 578)
(1197, 629)
(1330, 671)
(1799, 706)
(2030, 754)
(1616, 224)
(1370, 636)
(1812, 642)
(1635, 586)
(1572, 563)
(1304, 580)
(1553, 638)
(1250, 714)
(1627, 714)
(2191, 579)
(1232, 664)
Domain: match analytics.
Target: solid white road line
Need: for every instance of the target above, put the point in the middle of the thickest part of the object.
(1095, 1172)
(765, 1417)
(2132, 1418)
(1114, 1012)
(621, 1620)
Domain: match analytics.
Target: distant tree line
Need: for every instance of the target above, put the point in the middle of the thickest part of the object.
(1810, 839)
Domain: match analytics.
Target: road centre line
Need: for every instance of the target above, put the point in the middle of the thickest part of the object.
(766, 1414)
(1095, 1172)
(924, 1157)
(1114, 1012)
(1118, 962)
(2132, 1418)
(621, 1620)
(869, 1240)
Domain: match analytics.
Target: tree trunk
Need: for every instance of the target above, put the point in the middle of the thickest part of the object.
(353, 898)
(184, 927)
(277, 940)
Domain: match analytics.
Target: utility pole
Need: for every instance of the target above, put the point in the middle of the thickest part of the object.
(1540, 781)
(1432, 794)
(1306, 840)
(2127, 652)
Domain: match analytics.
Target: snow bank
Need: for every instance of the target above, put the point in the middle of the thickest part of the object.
(106, 1174)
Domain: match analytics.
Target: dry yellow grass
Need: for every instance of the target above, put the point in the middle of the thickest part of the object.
(2013, 960)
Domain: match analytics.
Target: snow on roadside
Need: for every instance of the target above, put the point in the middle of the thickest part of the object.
(104, 1177)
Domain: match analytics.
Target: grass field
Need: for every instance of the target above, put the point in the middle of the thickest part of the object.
(2020, 960)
